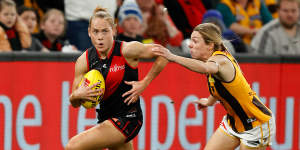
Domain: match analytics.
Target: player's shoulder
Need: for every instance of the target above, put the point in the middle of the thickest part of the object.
(220, 58)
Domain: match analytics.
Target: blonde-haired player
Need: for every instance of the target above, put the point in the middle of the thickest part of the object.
(120, 116)
(248, 123)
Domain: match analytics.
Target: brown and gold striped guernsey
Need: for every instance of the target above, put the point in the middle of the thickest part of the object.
(245, 110)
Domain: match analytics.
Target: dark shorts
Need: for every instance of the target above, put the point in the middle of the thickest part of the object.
(129, 125)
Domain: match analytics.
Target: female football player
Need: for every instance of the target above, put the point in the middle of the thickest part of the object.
(248, 123)
(120, 116)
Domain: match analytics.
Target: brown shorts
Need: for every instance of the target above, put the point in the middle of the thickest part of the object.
(129, 125)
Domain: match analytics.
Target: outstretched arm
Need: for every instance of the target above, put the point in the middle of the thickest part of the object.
(191, 64)
(133, 52)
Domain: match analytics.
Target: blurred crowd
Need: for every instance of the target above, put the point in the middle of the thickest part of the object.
(270, 27)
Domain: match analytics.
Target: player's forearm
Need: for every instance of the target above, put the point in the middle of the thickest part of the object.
(191, 64)
(157, 67)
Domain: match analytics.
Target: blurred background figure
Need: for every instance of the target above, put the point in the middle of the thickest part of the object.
(41, 6)
(52, 29)
(158, 26)
(232, 41)
(244, 17)
(130, 21)
(30, 18)
(272, 7)
(210, 4)
(78, 13)
(187, 14)
(14, 35)
(280, 36)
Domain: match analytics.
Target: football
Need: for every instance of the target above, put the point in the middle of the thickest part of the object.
(90, 78)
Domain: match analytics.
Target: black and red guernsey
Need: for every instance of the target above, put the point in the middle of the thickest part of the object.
(115, 71)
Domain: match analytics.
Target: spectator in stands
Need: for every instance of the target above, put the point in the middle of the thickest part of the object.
(14, 35)
(215, 17)
(233, 42)
(157, 25)
(281, 36)
(119, 4)
(130, 21)
(41, 6)
(187, 14)
(29, 17)
(52, 30)
(244, 17)
(78, 13)
(210, 4)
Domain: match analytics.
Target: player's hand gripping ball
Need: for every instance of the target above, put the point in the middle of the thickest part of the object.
(89, 79)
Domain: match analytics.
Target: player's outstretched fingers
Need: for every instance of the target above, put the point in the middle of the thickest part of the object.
(130, 91)
(129, 97)
(133, 99)
(127, 93)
